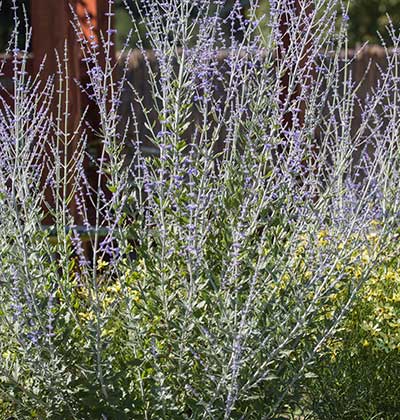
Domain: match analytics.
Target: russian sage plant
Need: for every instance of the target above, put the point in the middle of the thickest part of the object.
(195, 281)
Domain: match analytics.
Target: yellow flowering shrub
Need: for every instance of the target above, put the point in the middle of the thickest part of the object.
(378, 308)
(360, 365)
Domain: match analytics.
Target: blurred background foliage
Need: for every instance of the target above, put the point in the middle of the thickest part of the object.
(7, 22)
(367, 18)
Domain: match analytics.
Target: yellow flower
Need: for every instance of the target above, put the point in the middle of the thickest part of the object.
(372, 237)
(82, 292)
(308, 275)
(322, 238)
(135, 296)
(108, 332)
(390, 275)
(300, 250)
(115, 288)
(365, 256)
(107, 301)
(6, 354)
(396, 297)
(87, 316)
(339, 266)
(101, 264)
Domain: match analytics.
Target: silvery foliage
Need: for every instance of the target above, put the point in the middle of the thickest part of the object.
(226, 243)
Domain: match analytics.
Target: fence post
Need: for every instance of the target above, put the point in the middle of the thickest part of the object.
(52, 31)
(97, 12)
(297, 8)
(94, 19)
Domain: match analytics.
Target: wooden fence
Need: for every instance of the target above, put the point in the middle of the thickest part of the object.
(365, 67)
